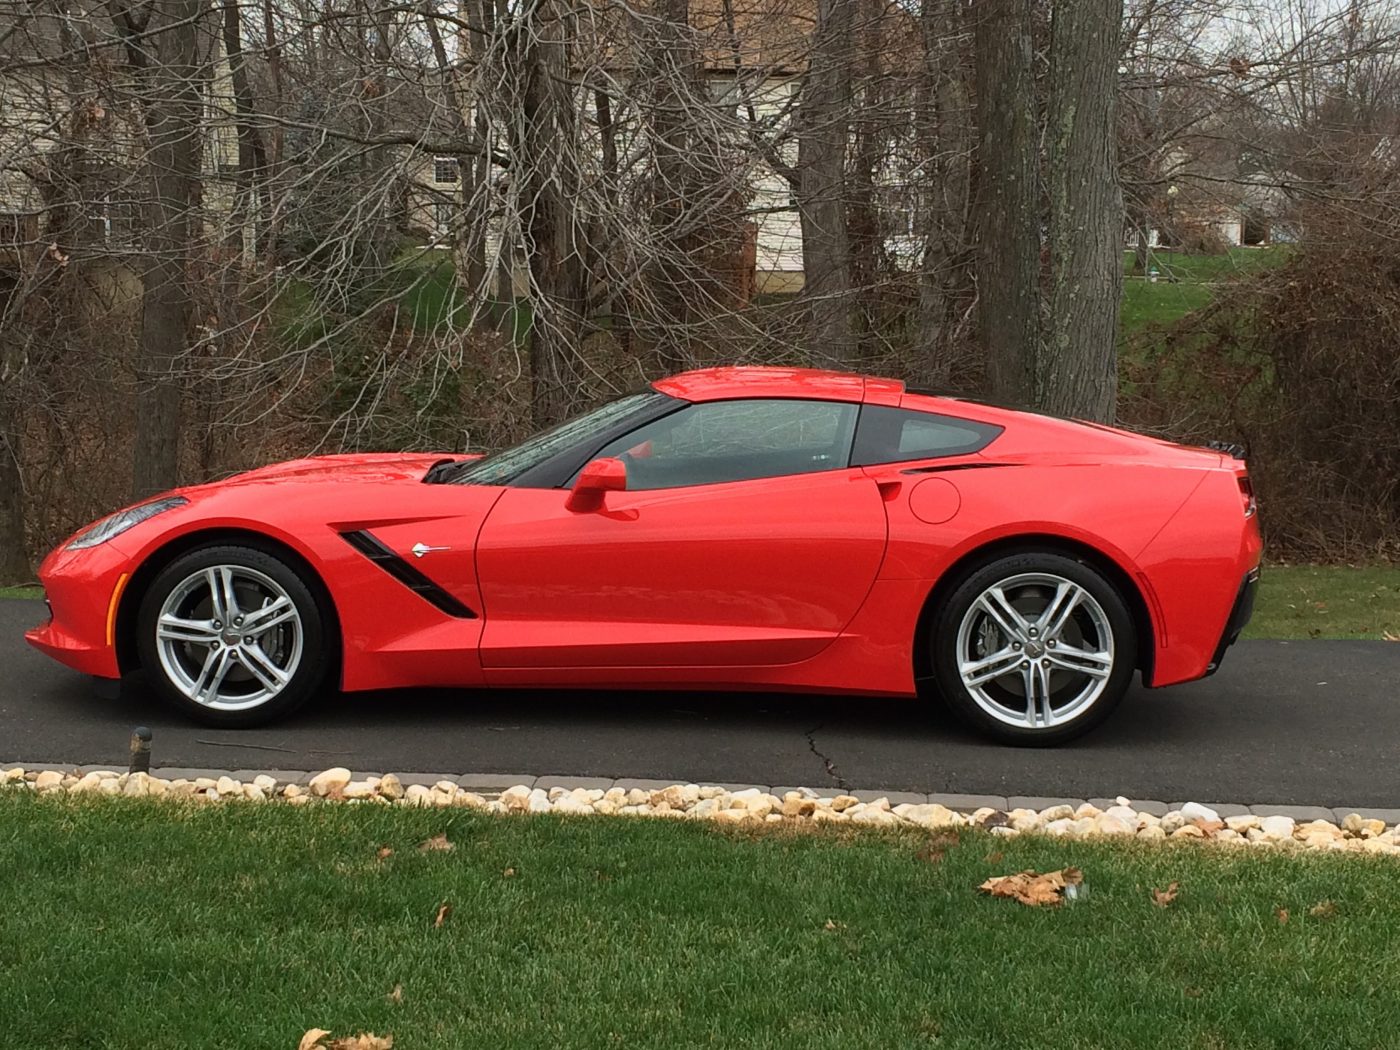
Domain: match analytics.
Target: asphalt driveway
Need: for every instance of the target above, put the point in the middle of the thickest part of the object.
(1283, 722)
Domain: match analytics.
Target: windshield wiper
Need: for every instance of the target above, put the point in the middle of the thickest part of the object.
(442, 472)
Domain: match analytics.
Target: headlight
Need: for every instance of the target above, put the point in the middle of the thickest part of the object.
(117, 523)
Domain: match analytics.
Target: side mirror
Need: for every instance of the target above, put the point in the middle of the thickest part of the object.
(596, 480)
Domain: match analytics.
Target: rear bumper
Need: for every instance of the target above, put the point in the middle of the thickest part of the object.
(1240, 613)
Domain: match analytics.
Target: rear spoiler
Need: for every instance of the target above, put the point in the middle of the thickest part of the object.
(1230, 448)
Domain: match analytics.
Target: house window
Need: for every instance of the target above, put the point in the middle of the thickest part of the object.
(442, 217)
(445, 170)
(11, 226)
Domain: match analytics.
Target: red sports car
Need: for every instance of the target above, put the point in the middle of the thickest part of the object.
(732, 528)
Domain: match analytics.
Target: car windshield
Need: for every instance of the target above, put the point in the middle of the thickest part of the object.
(500, 468)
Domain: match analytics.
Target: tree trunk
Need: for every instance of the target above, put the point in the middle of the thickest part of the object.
(944, 129)
(545, 152)
(14, 560)
(248, 208)
(823, 130)
(1008, 226)
(674, 76)
(1079, 376)
(169, 71)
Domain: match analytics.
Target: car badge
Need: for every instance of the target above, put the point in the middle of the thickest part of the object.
(420, 549)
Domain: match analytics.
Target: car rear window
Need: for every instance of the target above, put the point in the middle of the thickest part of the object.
(896, 435)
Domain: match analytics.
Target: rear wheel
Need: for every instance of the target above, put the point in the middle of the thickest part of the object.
(233, 636)
(1033, 648)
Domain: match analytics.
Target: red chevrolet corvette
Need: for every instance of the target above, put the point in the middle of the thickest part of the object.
(734, 528)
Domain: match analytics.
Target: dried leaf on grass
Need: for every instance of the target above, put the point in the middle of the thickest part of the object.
(396, 995)
(938, 844)
(384, 853)
(832, 925)
(1282, 914)
(444, 910)
(1034, 888)
(363, 1041)
(437, 842)
(1390, 637)
(509, 873)
(1323, 910)
(312, 1038)
(1162, 898)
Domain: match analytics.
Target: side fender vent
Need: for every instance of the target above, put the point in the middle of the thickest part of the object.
(406, 574)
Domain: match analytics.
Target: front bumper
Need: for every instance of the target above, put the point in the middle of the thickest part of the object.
(83, 589)
(1240, 613)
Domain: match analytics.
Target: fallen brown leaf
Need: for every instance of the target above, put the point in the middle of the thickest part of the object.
(1389, 637)
(1323, 910)
(1210, 827)
(437, 842)
(363, 1041)
(1282, 914)
(832, 924)
(1033, 888)
(509, 873)
(384, 853)
(312, 1038)
(396, 995)
(444, 910)
(1162, 898)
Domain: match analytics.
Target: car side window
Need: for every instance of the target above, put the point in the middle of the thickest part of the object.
(896, 435)
(718, 441)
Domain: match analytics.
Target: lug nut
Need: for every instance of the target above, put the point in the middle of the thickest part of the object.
(248, 640)
(238, 621)
(1016, 646)
(218, 626)
(214, 644)
(1025, 664)
(1034, 632)
(1050, 644)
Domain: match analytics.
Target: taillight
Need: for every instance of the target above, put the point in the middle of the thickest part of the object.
(1247, 496)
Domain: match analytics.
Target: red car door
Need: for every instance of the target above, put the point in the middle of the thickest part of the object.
(704, 573)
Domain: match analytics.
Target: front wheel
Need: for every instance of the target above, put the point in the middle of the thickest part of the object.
(233, 636)
(1033, 648)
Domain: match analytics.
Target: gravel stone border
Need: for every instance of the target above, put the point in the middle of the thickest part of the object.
(1298, 827)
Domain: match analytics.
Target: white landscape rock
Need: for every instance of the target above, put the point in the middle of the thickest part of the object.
(323, 783)
(1195, 811)
(1276, 828)
(48, 780)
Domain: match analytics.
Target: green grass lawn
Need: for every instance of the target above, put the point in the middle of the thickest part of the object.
(1327, 601)
(1184, 283)
(132, 923)
(21, 592)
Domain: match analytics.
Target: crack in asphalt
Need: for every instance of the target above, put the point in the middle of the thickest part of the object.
(827, 763)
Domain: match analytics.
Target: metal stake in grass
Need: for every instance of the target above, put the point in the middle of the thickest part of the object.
(140, 750)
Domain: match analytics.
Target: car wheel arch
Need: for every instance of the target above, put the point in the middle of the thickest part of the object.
(178, 546)
(1046, 543)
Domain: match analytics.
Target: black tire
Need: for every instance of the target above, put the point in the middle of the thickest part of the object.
(988, 707)
(266, 573)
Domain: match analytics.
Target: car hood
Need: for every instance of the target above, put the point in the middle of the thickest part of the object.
(372, 466)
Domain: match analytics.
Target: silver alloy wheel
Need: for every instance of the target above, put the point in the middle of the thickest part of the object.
(1035, 650)
(229, 637)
